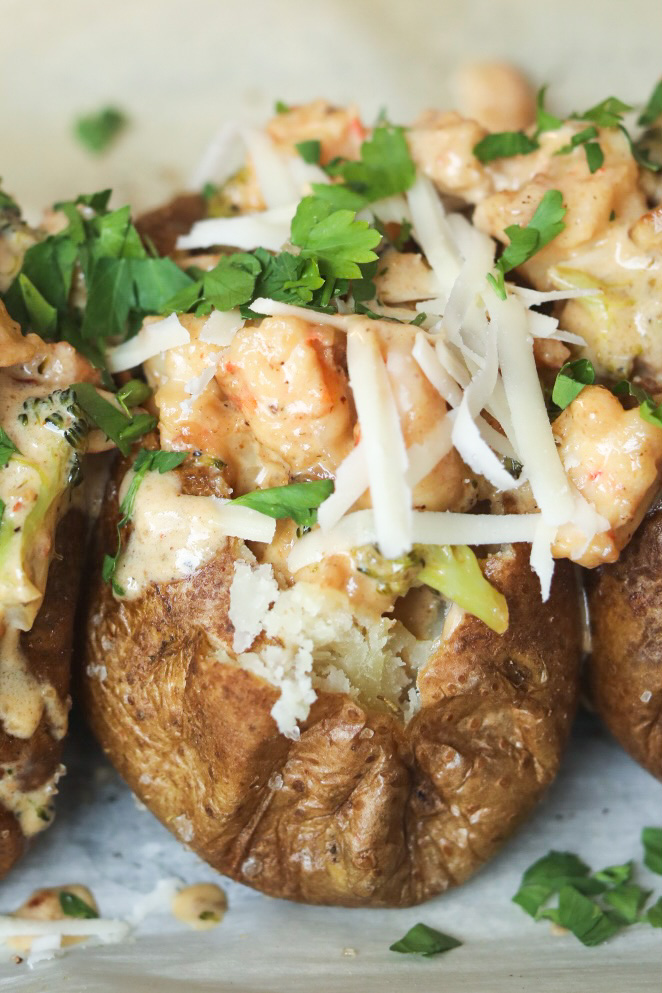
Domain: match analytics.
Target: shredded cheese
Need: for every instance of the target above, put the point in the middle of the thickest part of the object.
(221, 158)
(533, 432)
(432, 232)
(151, 340)
(221, 327)
(428, 527)
(268, 229)
(274, 308)
(386, 455)
(273, 176)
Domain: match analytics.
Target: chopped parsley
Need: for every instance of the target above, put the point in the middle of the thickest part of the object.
(425, 941)
(593, 906)
(384, 169)
(606, 114)
(123, 283)
(72, 906)
(571, 380)
(653, 108)
(146, 461)
(310, 151)
(118, 426)
(133, 393)
(503, 145)
(546, 223)
(648, 411)
(98, 131)
(7, 448)
(651, 839)
(299, 501)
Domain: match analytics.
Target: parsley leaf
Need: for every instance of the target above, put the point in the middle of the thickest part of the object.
(7, 448)
(146, 461)
(231, 281)
(334, 238)
(571, 380)
(310, 151)
(425, 941)
(654, 914)
(122, 283)
(116, 425)
(98, 131)
(546, 877)
(544, 120)
(385, 166)
(594, 154)
(627, 900)
(298, 501)
(503, 145)
(546, 224)
(583, 917)
(651, 839)
(648, 411)
(606, 114)
(73, 906)
(653, 108)
(613, 875)
(7, 202)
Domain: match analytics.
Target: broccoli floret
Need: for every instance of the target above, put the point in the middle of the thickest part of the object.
(51, 437)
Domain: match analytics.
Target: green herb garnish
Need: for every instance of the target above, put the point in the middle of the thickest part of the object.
(571, 380)
(122, 428)
(546, 224)
(648, 411)
(384, 169)
(503, 145)
(298, 501)
(123, 283)
(310, 151)
(583, 917)
(7, 448)
(654, 914)
(146, 461)
(547, 876)
(651, 839)
(73, 906)
(98, 131)
(425, 941)
(653, 108)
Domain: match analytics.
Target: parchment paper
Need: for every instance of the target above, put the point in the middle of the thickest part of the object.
(596, 808)
(179, 70)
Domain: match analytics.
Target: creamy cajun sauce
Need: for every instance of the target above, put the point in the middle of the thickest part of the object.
(23, 699)
(33, 808)
(202, 906)
(173, 534)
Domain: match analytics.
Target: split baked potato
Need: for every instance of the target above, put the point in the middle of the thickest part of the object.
(353, 708)
(361, 809)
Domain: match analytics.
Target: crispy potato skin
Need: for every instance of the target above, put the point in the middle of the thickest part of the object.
(47, 647)
(163, 225)
(370, 813)
(626, 623)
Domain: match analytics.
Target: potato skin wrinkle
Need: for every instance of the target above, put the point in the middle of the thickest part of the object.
(340, 816)
(626, 665)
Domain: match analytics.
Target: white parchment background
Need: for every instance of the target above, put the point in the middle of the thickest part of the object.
(179, 70)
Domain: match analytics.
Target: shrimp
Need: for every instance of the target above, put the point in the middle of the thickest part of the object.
(614, 458)
(287, 380)
(338, 130)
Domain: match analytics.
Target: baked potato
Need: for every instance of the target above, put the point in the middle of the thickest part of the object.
(349, 706)
(44, 438)
(626, 660)
(361, 809)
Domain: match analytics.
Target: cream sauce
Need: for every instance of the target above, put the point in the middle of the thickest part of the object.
(23, 699)
(202, 906)
(32, 808)
(173, 534)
